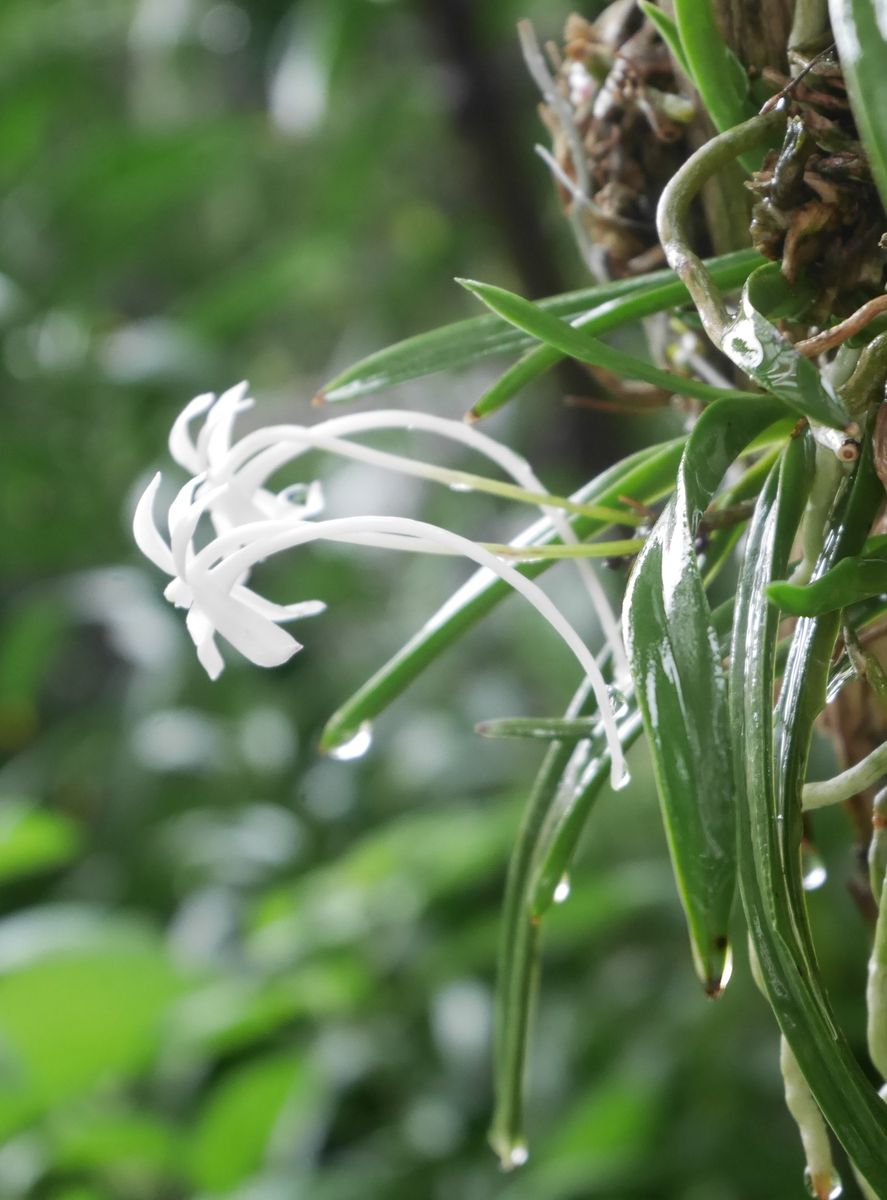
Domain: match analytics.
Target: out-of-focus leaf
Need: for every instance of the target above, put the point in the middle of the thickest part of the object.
(136, 1147)
(34, 839)
(769, 780)
(253, 1110)
(645, 476)
(679, 681)
(81, 1001)
(578, 343)
(467, 342)
(861, 34)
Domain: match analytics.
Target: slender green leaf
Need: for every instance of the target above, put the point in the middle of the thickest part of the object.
(676, 667)
(769, 815)
(860, 31)
(645, 476)
(577, 343)
(517, 968)
(669, 32)
(850, 581)
(567, 814)
(729, 271)
(715, 70)
(465, 342)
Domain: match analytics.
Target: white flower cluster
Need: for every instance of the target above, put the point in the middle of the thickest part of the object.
(252, 523)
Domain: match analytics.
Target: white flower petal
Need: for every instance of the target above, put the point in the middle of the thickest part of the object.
(277, 612)
(214, 440)
(181, 445)
(255, 637)
(145, 531)
(203, 635)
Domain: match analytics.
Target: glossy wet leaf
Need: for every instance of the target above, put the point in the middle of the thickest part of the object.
(33, 839)
(850, 581)
(757, 347)
(465, 342)
(770, 773)
(645, 476)
(579, 344)
(681, 688)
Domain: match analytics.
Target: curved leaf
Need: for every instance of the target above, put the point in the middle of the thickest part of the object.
(756, 346)
(676, 667)
(769, 820)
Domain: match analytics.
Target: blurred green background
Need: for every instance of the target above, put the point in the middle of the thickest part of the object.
(228, 967)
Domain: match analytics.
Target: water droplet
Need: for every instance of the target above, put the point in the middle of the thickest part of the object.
(618, 701)
(356, 746)
(727, 973)
(518, 1155)
(814, 872)
(622, 782)
(461, 487)
(822, 1188)
(562, 891)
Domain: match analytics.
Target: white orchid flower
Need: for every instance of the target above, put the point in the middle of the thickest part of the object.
(246, 466)
(252, 524)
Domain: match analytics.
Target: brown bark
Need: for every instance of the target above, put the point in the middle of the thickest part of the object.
(757, 30)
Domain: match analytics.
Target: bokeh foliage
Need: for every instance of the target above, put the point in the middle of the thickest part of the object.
(231, 968)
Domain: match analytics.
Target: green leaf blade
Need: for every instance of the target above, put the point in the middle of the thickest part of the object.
(678, 678)
(769, 814)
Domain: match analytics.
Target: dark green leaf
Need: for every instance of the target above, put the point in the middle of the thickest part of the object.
(676, 666)
(769, 788)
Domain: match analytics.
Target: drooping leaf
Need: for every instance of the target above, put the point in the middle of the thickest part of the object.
(769, 785)
(678, 678)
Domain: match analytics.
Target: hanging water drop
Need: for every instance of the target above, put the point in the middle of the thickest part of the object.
(355, 746)
(562, 891)
(458, 486)
(618, 702)
(518, 1155)
(813, 869)
(822, 1188)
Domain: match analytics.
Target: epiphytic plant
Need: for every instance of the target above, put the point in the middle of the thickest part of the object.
(782, 471)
